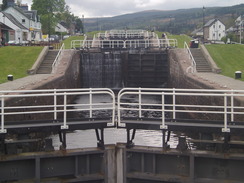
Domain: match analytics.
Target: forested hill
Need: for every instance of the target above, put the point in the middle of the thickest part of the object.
(174, 21)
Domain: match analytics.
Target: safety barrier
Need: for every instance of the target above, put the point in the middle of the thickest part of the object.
(193, 66)
(166, 106)
(57, 59)
(175, 102)
(55, 102)
(136, 43)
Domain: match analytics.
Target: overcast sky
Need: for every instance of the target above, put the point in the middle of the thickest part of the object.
(103, 8)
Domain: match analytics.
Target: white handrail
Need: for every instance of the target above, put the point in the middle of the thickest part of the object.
(227, 108)
(56, 102)
(134, 43)
(57, 59)
(193, 63)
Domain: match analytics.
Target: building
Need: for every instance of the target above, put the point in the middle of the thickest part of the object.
(214, 30)
(12, 31)
(28, 25)
(239, 24)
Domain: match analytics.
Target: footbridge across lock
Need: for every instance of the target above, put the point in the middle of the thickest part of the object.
(124, 39)
(186, 112)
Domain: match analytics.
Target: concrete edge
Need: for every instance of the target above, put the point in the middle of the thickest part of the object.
(38, 61)
(210, 60)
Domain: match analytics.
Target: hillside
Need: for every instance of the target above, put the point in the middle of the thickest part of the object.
(174, 21)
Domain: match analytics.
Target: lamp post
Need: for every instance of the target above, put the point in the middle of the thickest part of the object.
(83, 24)
(203, 21)
(241, 24)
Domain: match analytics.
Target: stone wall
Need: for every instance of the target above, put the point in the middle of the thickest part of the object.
(179, 61)
(66, 76)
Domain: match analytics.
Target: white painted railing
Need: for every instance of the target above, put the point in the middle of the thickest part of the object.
(135, 101)
(193, 63)
(153, 104)
(135, 43)
(57, 59)
(55, 103)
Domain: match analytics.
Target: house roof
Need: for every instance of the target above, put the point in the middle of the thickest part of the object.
(5, 27)
(200, 30)
(211, 22)
(14, 21)
(28, 14)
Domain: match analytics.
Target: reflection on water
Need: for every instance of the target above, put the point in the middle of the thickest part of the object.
(87, 138)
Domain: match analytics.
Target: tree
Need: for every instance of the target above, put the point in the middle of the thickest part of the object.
(48, 11)
(5, 4)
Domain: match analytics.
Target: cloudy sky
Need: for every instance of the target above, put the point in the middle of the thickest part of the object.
(103, 8)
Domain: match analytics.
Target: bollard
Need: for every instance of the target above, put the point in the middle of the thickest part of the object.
(10, 77)
(238, 74)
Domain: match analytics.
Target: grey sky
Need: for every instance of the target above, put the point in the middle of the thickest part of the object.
(103, 8)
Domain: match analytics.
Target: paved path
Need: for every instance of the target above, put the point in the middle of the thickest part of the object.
(222, 81)
(22, 83)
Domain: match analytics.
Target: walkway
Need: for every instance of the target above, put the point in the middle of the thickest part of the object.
(223, 81)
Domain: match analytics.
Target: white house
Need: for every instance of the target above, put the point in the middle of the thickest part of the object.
(11, 30)
(61, 28)
(240, 26)
(28, 19)
(214, 30)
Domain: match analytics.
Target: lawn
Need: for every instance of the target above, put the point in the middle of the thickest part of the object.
(180, 38)
(16, 60)
(228, 57)
(67, 42)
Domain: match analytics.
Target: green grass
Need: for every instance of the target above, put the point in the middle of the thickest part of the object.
(181, 39)
(16, 60)
(228, 57)
(67, 42)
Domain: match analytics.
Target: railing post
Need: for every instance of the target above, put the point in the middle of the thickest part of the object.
(174, 114)
(65, 126)
(163, 126)
(232, 105)
(225, 129)
(2, 116)
(90, 102)
(55, 104)
(140, 102)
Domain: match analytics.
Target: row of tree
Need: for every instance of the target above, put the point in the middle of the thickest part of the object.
(53, 12)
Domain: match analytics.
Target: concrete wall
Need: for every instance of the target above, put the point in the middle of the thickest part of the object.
(67, 76)
(179, 61)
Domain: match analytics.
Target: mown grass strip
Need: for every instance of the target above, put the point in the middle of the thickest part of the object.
(16, 60)
(228, 57)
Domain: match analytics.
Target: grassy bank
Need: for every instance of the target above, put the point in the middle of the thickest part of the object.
(228, 57)
(181, 39)
(16, 60)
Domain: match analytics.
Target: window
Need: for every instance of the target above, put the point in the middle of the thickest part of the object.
(219, 26)
(23, 21)
(219, 35)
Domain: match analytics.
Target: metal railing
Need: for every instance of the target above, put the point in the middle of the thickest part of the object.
(136, 43)
(193, 63)
(56, 104)
(162, 107)
(57, 59)
(177, 102)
